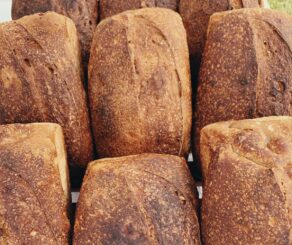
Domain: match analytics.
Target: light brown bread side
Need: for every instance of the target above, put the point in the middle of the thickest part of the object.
(247, 182)
(34, 185)
(40, 79)
(84, 13)
(196, 15)
(142, 199)
(109, 8)
(246, 69)
(139, 84)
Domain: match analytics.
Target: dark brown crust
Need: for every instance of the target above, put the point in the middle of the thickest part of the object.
(109, 8)
(247, 182)
(140, 98)
(34, 201)
(246, 69)
(40, 79)
(196, 15)
(83, 12)
(143, 199)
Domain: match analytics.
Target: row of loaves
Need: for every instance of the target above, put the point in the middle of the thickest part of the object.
(139, 85)
(150, 199)
(88, 13)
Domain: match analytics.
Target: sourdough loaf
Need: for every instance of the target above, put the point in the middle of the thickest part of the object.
(40, 79)
(246, 68)
(247, 182)
(83, 12)
(139, 84)
(196, 15)
(142, 199)
(113, 7)
(34, 185)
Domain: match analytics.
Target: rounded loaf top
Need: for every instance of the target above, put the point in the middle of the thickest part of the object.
(196, 15)
(40, 79)
(248, 178)
(246, 68)
(141, 199)
(84, 13)
(139, 84)
(34, 184)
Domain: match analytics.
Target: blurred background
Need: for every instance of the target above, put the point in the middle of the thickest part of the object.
(284, 5)
(5, 10)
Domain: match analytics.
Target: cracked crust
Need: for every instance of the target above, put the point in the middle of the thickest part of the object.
(248, 178)
(142, 199)
(40, 79)
(34, 185)
(84, 13)
(140, 70)
(109, 8)
(251, 76)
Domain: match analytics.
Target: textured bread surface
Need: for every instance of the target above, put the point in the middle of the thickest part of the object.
(84, 13)
(246, 68)
(139, 84)
(196, 15)
(247, 168)
(142, 199)
(40, 79)
(113, 7)
(34, 185)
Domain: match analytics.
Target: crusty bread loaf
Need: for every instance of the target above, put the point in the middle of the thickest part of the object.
(109, 8)
(40, 79)
(248, 182)
(139, 84)
(34, 185)
(83, 12)
(196, 15)
(247, 67)
(142, 199)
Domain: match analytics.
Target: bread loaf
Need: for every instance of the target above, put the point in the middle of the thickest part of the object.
(248, 182)
(196, 15)
(40, 79)
(247, 67)
(142, 199)
(83, 12)
(34, 185)
(139, 84)
(113, 7)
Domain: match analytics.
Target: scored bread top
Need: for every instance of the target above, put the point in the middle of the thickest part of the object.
(246, 69)
(40, 79)
(139, 84)
(143, 199)
(34, 189)
(84, 13)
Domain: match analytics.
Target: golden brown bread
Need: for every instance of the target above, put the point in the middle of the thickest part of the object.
(34, 185)
(246, 68)
(196, 15)
(247, 168)
(40, 79)
(142, 199)
(139, 84)
(109, 8)
(83, 12)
